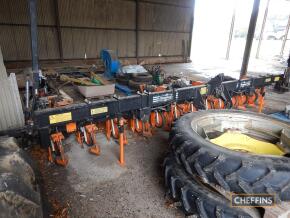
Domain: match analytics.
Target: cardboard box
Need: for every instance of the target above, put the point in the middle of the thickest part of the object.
(96, 91)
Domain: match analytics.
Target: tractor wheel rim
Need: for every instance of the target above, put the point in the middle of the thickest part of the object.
(244, 133)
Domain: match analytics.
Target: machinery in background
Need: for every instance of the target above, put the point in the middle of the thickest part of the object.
(284, 84)
(142, 79)
(128, 78)
(111, 63)
(143, 112)
(158, 102)
(283, 115)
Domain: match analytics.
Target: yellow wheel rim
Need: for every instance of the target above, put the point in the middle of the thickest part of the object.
(241, 142)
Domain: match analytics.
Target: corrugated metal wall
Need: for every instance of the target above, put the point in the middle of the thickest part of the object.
(71, 29)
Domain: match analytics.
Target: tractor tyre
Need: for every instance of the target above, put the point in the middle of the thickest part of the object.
(233, 170)
(17, 199)
(16, 163)
(19, 179)
(142, 77)
(196, 198)
(123, 80)
(136, 85)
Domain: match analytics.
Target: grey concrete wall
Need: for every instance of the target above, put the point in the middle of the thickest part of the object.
(87, 26)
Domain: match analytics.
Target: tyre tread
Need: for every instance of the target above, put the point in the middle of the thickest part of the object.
(194, 196)
(184, 140)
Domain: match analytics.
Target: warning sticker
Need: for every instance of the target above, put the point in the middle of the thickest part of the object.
(99, 110)
(277, 78)
(58, 118)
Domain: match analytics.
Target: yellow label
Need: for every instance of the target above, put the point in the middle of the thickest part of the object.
(58, 118)
(268, 80)
(99, 110)
(277, 78)
(203, 90)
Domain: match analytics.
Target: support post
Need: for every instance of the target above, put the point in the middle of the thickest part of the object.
(121, 142)
(285, 37)
(231, 33)
(191, 28)
(44, 137)
(137, 29)
(250, 37)
(262, 29)
(33, 38)
(58, 30)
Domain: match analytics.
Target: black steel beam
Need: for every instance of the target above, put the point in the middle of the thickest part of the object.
(164, 31)
(33, 38)
(164, 3)
(160, 3)
(79, 59)
(97, 28)
(137, 29)
(58, 29)
(163, 56)
(250, 37)
(71, 27)
(82, 112)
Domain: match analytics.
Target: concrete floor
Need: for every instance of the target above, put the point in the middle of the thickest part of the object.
(275, 102)
(94, 186)
(204, 72)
